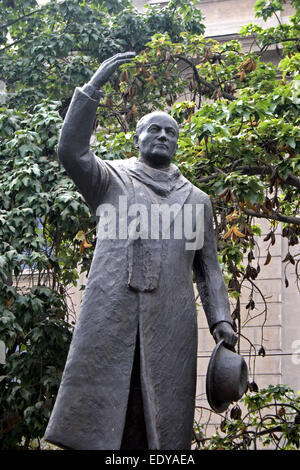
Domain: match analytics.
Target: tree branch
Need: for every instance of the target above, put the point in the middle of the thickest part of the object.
(19, 19)
(10, 45)
(201, 80)
(293, 181)
(280, 217)
(247, 170)
(254, 170)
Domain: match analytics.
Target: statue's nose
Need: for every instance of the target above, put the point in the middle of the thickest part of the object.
(162, 135)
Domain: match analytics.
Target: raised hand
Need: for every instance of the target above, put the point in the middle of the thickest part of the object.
(108, 67)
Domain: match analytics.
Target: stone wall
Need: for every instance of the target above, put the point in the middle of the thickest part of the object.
(278, 331)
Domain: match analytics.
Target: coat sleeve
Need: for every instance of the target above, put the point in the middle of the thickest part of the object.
(89, 173)
(208, 274)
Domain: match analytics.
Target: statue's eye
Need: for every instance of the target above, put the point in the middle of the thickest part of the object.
(153, 129)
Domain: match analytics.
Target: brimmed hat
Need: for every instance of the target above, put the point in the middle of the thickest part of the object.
(226, 378)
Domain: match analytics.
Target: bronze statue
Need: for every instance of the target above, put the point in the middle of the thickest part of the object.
(130, 376)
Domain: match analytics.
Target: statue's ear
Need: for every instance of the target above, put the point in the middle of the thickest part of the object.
(136, 141)
(175, 150)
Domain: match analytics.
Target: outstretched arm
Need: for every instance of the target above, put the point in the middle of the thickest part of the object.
(211, 285)
(87, 171)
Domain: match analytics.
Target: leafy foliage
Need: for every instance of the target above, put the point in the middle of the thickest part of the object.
(239, 142)
(270, 417)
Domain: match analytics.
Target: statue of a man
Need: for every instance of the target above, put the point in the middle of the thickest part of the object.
(130, 376)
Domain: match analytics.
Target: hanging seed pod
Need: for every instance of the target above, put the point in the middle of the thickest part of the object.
(236, 314)
(223, 425)
(109, 101)
(268, 204)
(267, 237)
(297, 418)
(228, 196)
(237, 232)
(132, 91)
(253, 387)
(232, 216)
(273, 238)
(236, 412)
(293, 241)
(265, 210)
(250, 305)
(243, 65)
(254, 273)
(223, 193)
(242, 75)
(228, 234)
(125, 76)
(285, 231)
(248, 271)
(268, 259)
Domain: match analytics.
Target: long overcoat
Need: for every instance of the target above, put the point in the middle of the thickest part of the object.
(135, 287)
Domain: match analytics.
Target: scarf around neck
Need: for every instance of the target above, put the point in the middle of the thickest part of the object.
(152, 186)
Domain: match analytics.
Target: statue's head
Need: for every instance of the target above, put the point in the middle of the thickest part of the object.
(156, 138)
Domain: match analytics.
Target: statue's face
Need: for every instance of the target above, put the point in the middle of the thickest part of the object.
(157, 141)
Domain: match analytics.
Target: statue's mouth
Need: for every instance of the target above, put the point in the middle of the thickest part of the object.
(162, 145)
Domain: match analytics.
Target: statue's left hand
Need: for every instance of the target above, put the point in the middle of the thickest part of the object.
(108, 67)
(224, 330)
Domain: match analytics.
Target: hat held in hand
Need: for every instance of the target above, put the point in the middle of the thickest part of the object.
(226, 378)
